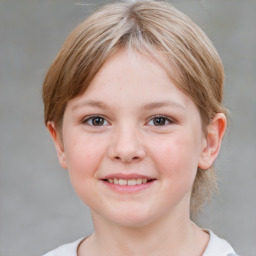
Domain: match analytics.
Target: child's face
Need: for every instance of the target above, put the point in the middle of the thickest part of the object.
(132, 123)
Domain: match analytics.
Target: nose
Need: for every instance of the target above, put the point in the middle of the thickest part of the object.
(126, 145)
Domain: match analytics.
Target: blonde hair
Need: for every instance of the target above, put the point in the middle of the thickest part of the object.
(150, 27)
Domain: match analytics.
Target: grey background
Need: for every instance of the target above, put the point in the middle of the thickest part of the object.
(39, 209)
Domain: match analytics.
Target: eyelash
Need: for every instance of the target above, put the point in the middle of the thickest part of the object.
(89, 120)
(163, 117)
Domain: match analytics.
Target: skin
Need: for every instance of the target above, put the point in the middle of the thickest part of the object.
(132, 121)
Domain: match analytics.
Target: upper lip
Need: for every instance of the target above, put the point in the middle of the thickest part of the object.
(127, 176)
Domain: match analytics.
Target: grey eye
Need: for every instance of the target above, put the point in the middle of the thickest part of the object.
(158, 121)
(95, 121)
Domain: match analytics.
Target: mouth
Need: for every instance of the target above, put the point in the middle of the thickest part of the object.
(128, 182)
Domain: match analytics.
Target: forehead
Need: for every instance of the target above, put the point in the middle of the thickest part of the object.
(131, 78)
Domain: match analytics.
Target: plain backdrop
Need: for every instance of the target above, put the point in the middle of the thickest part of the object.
(39, 210)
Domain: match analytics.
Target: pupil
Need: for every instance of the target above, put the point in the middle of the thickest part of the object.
(159, 121)
(97, 121)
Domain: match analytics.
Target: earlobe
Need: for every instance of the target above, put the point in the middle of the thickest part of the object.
(58, 144)
(215, 132)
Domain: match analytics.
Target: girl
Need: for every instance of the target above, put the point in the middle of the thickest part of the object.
(133, 103)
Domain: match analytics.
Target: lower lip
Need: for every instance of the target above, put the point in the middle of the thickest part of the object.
(128, 188)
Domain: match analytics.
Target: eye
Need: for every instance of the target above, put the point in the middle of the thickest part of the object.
(95, 121)
(160, 121)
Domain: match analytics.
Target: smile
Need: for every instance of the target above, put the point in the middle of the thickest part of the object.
(129, 182)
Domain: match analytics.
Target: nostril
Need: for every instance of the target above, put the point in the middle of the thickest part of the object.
(126, 154)
(127, 158)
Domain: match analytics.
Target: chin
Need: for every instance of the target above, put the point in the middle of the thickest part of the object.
(132, 219)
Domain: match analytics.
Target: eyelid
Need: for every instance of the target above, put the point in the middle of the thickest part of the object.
(87, 118)
(169, 119)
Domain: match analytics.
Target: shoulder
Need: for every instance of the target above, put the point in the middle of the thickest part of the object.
(69, 249)
(218, 246)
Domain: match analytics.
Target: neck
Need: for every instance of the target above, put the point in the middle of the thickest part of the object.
(166, 237)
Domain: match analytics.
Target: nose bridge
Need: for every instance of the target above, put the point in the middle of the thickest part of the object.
(126, 144)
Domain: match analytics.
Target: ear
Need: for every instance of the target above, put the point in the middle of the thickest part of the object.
(214, 136)
(58, 144)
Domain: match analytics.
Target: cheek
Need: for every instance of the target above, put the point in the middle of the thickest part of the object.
(83, 156)
(177, 157)
(83, 159)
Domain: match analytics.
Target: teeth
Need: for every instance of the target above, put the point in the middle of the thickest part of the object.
(139, 181)
(131, 182)
(122, 182)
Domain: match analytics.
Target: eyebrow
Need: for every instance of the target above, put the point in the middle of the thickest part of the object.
(166, 103)
(148, 106)
(91, 103)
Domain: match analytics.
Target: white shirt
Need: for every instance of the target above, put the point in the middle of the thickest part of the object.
(216, 247)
